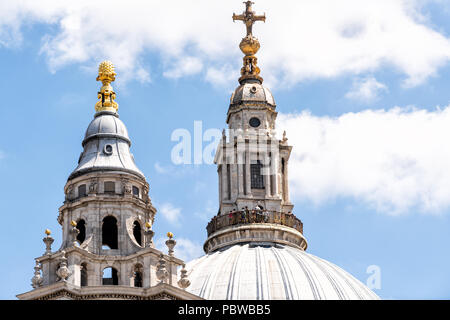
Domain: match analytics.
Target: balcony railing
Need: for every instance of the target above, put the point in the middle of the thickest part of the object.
(243, 217)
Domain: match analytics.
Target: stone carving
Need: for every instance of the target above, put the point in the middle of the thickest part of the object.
(93, 187)
(126, 187)
(170, 243)
(74, 232)
(63, 272)
(69, 194)
(149, 233)
(184, 281)
(48, 240)
(37, 280)
(161, 271)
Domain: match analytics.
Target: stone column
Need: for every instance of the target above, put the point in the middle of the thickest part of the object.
(266, 173)
(240, 175)
(286, 181)
(224, 181)
(248, 187)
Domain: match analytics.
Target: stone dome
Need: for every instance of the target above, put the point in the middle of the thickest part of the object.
(252, 92)
(107, 123)
(106, 147)
(268, 271)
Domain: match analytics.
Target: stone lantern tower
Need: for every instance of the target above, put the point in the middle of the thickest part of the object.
(107, 249)
(255, 248)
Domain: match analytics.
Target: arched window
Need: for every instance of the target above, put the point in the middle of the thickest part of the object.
(137, 232)
(81, 226)
(110, 277)
(137, 276)
(83, 275)
(109, 232)
(256, 177)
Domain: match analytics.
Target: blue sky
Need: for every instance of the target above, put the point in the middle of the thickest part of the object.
(361, 89)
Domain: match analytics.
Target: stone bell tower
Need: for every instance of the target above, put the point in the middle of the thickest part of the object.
(252, 163)
(107, 250)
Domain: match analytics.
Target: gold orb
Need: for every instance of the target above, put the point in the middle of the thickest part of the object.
(148, 225)
(249, 46)
(170, 235)
(48, 232)
(73, 223)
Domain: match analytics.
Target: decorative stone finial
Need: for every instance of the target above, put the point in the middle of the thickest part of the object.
(37, 280)
(74, 232)
(63, 272)
(184, 281)
(161, 271)
(106, 75)
(249, 44)
(148, 235)
(170, 243)
(48, 240)
(285, 139)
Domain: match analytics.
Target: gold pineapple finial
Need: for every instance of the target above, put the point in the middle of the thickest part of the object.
(249, 44)
(48, 232)
(106, 75)
(170, 235)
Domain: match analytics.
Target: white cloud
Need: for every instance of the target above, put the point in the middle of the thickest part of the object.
(367, 89)
(394, 160)
(184, 67)
(170, 213)
(313, 39)
(185, 249)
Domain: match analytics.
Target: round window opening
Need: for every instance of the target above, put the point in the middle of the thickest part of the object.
(254, 122)
(108, 149)
(253, 89)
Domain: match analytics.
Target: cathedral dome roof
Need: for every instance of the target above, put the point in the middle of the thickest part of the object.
(252, 92)
(107, 123)
(271, 271)
(106, 147)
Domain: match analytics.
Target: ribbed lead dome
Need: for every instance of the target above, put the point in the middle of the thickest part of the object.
(106, 147)
(271, 272)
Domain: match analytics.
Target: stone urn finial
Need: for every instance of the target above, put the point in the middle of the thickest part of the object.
(36, 281)
(74, 232)
(63, 272)
(161, 271)
(170, 243)
(48, 240)
(184, 281)
(149, 233)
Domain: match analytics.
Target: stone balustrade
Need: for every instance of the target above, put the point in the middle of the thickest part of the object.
(242, 217)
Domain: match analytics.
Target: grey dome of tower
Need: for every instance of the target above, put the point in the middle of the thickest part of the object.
(252, 92)
(106, 147)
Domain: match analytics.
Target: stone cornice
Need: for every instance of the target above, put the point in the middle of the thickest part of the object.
(64, 290)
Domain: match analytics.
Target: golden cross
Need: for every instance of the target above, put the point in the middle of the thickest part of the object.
(249, 17)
